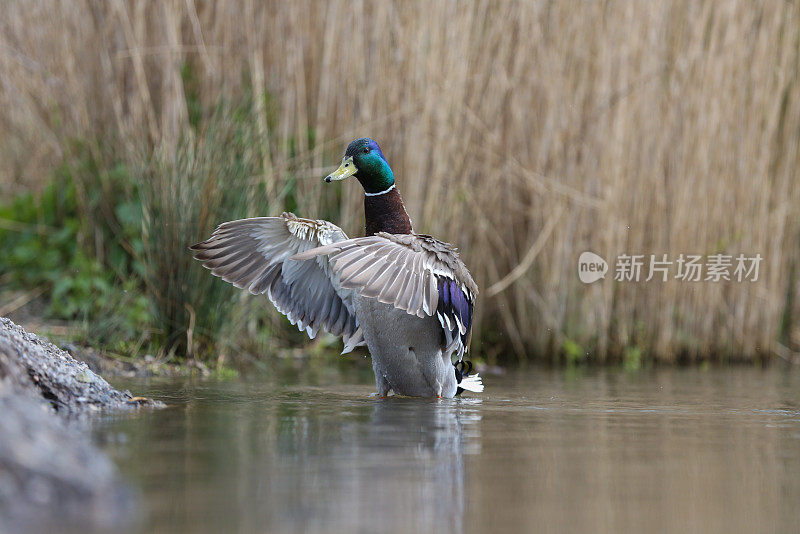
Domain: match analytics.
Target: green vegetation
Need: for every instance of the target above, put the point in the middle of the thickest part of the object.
(106, 245)
(49, 250)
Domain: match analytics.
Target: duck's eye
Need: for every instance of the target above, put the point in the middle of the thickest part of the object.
(347, 164)
(366, 150)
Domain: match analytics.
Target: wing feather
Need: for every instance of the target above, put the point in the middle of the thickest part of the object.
(415, 273)
(256, 254)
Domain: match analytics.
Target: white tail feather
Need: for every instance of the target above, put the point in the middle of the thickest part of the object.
(472, 383)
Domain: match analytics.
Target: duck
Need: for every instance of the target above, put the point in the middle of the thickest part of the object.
(407, 297)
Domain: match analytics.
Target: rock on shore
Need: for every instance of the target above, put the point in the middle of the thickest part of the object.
(50, 472)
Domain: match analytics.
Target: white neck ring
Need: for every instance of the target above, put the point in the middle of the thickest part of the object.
(380, 192)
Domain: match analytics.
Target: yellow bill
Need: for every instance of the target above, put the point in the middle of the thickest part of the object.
(345, 170)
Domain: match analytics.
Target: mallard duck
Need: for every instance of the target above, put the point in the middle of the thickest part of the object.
(408, 297)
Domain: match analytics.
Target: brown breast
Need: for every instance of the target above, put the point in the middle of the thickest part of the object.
(386, 213)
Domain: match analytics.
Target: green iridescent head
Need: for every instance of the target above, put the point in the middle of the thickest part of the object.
(364, 160)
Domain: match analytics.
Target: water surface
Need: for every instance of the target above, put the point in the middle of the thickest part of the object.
(674, 450)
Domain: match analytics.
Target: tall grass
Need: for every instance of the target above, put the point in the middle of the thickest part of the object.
(523, 132)
(187, 190)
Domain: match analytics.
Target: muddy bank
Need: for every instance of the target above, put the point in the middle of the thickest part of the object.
(50, 473)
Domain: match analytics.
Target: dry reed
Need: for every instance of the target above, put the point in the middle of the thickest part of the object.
(523, 132)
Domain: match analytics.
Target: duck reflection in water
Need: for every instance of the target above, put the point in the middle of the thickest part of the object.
(429, 441)
(402, 464)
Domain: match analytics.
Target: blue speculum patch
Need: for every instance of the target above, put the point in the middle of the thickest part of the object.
(454, 303)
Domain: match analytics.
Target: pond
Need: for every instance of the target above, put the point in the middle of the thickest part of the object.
(676, 450)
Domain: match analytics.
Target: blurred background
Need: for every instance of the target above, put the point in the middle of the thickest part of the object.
(523, 132)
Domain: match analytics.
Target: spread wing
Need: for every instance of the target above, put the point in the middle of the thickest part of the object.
(255, 254)
(416, 273)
